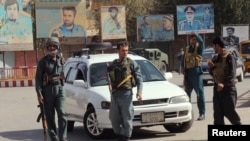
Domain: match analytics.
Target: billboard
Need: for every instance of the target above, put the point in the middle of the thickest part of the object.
(155, 28)
(234, 34)
(113, 22)
(93, 14)
(16, 32)
(198, 18)
(64, 20)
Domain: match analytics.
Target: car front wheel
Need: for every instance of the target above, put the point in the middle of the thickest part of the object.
(91, 124)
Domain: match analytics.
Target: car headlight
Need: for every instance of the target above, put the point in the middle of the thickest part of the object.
(105, 105)
(179, 99)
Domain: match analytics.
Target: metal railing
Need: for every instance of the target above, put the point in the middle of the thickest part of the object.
(23, 72)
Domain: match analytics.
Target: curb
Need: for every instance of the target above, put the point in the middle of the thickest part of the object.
(17, 83)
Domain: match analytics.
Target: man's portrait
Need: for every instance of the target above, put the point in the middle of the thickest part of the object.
(145, 31)
(198, 18)
(68, 28)
(190, 23)
(166, 31)
(113, 22)
(16, 28)
(231, 37)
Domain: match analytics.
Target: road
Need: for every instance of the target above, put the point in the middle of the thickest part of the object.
(19, 111)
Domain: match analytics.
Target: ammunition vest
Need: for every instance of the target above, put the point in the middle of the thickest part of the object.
(53, 75)
(221, 68)
(193, 59)
(118, 71)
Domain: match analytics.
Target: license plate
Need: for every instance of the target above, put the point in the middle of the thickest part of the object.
(152, 117)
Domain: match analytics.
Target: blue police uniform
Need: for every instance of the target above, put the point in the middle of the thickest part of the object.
(121, 110)
(193, 73)
(62, 31)
(186, 25)
(145, 32)
(164, 35)
(207, 21)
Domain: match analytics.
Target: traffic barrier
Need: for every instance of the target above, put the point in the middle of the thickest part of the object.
(17, 83)
(22, 76)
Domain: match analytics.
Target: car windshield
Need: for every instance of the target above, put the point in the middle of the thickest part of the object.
(98, 73)
(207, 55)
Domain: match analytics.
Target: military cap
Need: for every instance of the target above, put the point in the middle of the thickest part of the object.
(189, 9)
(230, 28)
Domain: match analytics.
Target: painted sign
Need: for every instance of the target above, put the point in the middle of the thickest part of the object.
(113, 22)
(155, 28)
(64, 20)
(93, 14)
(16, 32)
(234, 34)
(198, 18)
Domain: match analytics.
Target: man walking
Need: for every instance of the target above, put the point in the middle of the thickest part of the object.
(223, 69)
(49, 88)
(124, 70)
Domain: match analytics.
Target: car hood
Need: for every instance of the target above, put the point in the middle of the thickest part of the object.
(151, 90)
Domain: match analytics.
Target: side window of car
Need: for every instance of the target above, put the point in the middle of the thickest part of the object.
(71, 75)
(79, 75)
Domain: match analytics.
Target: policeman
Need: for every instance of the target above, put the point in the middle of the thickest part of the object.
(124, 75)
(189, 23)
(222, 69)
(49, 88)
(193, 71)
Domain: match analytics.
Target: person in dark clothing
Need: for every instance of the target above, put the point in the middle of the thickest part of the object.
(223, 69)
(49, 87)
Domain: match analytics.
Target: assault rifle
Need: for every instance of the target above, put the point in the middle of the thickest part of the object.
(43, 117)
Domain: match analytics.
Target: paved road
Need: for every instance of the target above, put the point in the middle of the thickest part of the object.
(18, 113)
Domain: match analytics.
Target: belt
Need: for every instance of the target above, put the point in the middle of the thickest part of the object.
(55, 78)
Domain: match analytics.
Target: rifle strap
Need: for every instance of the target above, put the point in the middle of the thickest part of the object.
(124, 80)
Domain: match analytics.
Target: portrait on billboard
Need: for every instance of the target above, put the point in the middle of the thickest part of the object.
(234, 34)
(16, 32)
(65, 20)
(155, 28)
(198, 18)
(68, 27)
(113, 22)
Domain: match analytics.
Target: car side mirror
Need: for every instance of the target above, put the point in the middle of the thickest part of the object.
(79, 83)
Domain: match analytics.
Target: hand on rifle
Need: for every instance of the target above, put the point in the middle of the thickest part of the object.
(40, 99)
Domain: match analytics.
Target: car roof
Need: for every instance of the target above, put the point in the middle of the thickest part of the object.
(99, 58)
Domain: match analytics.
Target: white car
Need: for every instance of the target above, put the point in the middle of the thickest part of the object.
(88, 96)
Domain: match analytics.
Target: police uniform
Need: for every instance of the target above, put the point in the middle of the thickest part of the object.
(145, 32)
(62, 31)
(49, 85)
(164, 35)
(186, 25)
(121, 110)
(224, 101)
(193, 73)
